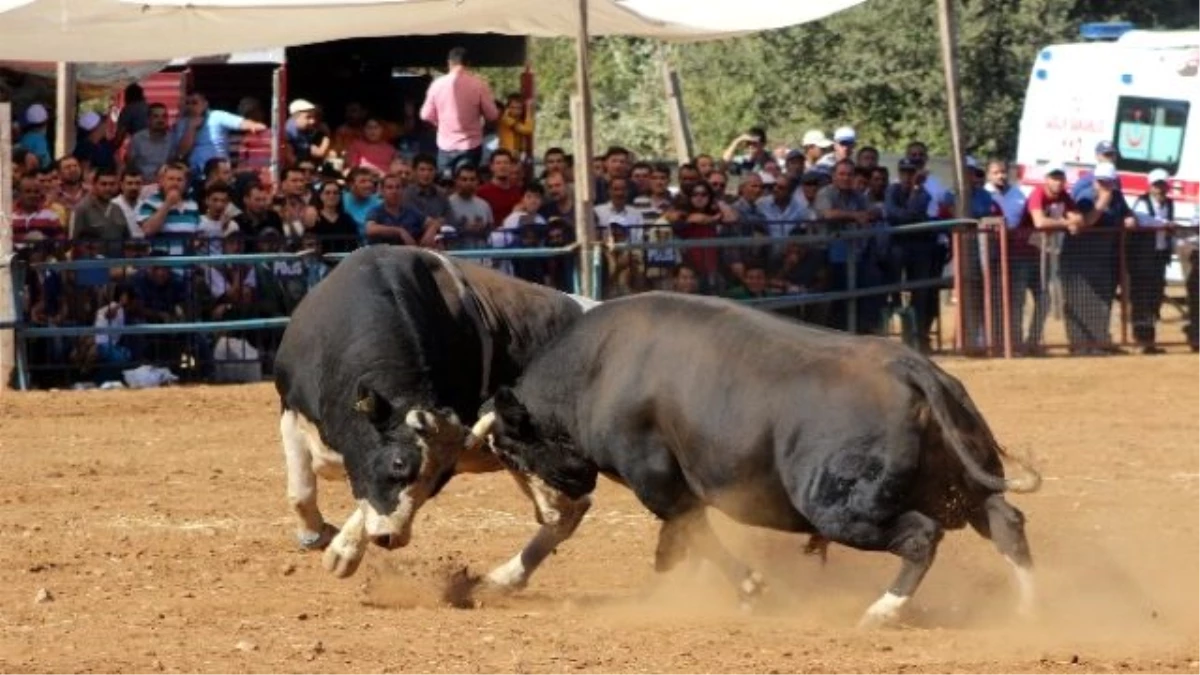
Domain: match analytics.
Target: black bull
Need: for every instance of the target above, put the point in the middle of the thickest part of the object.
(382, 367)
(694, 402)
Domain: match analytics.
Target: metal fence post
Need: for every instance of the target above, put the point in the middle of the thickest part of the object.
(852, 285)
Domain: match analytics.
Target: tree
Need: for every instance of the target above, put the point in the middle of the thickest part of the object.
(876, 67)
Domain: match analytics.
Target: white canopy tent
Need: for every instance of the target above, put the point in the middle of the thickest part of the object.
(133, 30)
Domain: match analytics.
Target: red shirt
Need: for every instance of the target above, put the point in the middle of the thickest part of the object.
(502, 200)
(1055, 207)
(44, 220)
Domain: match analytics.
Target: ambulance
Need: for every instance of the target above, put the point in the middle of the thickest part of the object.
(1140, 91)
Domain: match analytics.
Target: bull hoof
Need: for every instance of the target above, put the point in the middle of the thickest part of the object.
(750, 590)
(317, 541)
(876, 620)
(342, 560)
(885, 612)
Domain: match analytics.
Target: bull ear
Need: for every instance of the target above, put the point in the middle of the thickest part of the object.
(372, 404)
(428, 423)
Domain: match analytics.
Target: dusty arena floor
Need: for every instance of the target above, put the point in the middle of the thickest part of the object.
(156, 522)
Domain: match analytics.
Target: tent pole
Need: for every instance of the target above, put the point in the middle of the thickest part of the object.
(583, 156)
(948, 27)
(65, 110)
(8, 306)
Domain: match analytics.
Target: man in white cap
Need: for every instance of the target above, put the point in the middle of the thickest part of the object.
(303, 136)
(94, 149)
(1147, 253)
(844, 140)
(33, 137)
(1089, 270)
(815, 145)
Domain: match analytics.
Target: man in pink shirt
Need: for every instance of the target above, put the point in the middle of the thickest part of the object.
(457, 103)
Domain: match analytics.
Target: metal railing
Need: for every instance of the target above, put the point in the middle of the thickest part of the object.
(25, 331)
(195, 329)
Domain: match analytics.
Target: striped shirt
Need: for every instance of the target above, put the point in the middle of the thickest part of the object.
(44, 220)
(182, 221)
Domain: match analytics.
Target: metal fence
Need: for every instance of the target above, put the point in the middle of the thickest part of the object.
(940, 286)
(1093, 292)
(210, 317)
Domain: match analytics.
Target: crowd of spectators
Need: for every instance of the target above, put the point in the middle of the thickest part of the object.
(462, 178)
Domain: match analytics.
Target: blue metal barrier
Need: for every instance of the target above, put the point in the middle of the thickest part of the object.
(23, 332)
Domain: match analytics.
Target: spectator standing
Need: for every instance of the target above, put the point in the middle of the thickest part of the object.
(815, 145)
(618, 210)
(1148, 251)
(98, 216)
(424, 194)
(840, 207)
(514, 130)
(134, 115)
(71, 189)
(31, 214)
(128, 198)
(1089, 262)
(372, 151)
(457, 103)
(258, 214)
(33, 136)
(748, 152)
(501, 192)
(1049, 208)
(360, 199)
(470, 216)
(167, 215)
(305, 139)
(334, 228)
(150, 148)
(201, 134)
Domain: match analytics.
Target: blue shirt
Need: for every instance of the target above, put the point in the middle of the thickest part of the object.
(101, 154)
(358, 210)
(301, 141)
(212, 138)
(35, 142)
(1084, 194)
(409, 218)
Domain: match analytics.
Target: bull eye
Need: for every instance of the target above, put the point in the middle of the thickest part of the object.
(402, 470)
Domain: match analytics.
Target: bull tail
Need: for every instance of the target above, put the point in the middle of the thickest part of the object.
(925, 378)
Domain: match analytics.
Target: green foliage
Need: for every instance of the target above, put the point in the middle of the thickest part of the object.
(876, 67)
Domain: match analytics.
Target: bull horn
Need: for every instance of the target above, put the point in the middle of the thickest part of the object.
(480, 431)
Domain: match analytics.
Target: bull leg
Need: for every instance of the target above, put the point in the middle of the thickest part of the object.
(914, 537)
(691, 529)
(312, 531)
(818, 546)
(346, 550)
(559, 516)
(1004, 524)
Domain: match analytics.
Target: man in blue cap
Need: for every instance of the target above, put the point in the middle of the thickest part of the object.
(1106, 153)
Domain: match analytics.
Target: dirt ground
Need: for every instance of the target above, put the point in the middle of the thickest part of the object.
(156, 521)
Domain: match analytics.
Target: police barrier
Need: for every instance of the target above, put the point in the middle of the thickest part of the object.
(214, 317)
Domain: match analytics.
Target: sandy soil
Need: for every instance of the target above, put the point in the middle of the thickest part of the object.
(157, 523)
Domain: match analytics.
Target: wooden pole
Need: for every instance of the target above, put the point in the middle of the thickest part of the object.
(681, 132)
(583, 155)
(948, 27)
(8, 309)
(65, 109)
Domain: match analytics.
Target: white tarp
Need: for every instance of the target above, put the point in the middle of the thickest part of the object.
(144, 30)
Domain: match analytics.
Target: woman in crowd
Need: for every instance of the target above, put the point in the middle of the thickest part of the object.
(335, 228)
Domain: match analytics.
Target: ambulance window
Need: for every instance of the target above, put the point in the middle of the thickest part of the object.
(1149, 133)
